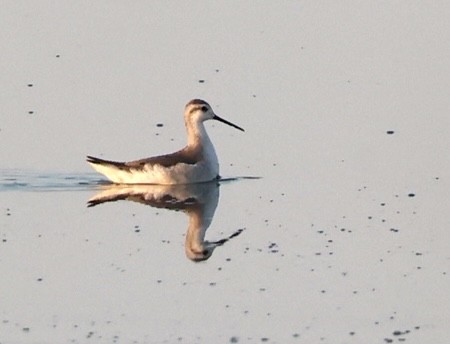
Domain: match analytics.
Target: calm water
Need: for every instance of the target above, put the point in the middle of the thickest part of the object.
(342, 238)
(112, 263)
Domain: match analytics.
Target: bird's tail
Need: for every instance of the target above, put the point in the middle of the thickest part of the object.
(98, 161)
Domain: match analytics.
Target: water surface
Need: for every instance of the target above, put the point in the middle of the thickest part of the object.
(343, 239)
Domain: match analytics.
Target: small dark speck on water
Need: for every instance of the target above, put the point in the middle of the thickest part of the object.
(26, 329)
(234, 339)
(201, 81)
(397, 333)
(389, 132)
(411, 195)
(39, 279)
(159, 125)
(58, 56)
(30, 112)
(30, 85)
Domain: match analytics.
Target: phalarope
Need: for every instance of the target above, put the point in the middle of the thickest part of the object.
(198, 201)
(197, 162)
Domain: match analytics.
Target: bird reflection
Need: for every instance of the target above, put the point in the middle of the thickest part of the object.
(198, 201)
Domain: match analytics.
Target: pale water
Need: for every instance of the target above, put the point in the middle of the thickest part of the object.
(332, 225)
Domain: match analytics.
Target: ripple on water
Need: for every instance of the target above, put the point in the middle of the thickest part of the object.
(22, 180)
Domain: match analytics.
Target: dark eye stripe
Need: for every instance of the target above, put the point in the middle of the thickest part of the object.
(203, 108)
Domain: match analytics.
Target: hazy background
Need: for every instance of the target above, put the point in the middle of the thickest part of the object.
(359, 217)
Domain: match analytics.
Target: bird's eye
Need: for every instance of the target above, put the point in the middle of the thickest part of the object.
(204, 108)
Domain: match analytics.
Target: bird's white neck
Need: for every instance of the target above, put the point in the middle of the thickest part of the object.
(196, 133)
(199, 141)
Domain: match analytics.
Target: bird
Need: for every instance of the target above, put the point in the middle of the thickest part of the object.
(198, 201)
(197, 162)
